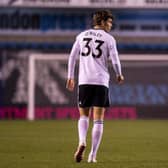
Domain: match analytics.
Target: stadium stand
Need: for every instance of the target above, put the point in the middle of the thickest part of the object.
(136, 31)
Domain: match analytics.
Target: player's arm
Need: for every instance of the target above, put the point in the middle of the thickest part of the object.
(119, 76)
(116, 61)
(71, 66)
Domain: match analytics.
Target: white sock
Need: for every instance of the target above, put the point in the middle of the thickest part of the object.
(97, 132)
(83, 124)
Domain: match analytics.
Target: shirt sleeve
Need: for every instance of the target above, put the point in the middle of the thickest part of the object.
(113, 53)
(72, 59)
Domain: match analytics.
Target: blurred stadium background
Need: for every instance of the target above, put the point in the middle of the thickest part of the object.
(35, 39)
(44, 30)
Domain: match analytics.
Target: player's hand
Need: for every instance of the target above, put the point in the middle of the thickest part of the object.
(120, 79)
(70, 84)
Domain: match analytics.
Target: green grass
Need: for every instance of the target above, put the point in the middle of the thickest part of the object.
(51, 144)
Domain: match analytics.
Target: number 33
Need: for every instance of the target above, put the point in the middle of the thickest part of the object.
(98, 45)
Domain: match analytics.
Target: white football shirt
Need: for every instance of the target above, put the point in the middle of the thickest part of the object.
(94, 47)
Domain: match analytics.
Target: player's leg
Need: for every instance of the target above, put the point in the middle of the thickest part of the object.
(100, 102)
(84, 99)
(83, 124)
(97, 132)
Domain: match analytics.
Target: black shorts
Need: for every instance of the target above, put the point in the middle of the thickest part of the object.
(93, 95)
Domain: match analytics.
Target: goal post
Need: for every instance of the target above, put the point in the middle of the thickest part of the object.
(127, 60)
(32, 76)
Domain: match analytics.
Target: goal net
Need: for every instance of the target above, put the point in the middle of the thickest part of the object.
(48, 73)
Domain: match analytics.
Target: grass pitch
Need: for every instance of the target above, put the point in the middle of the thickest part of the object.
(51, 144)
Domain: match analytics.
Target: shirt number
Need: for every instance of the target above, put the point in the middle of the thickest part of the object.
(98, 44)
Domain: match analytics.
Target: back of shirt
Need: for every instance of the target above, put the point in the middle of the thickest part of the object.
(94, 47)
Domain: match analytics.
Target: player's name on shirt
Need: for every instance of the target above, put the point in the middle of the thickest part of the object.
(93, 33)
